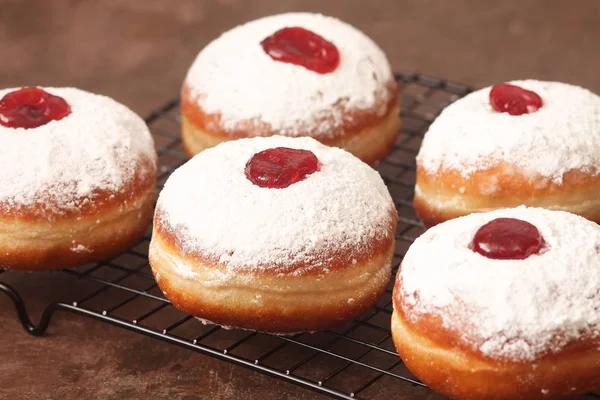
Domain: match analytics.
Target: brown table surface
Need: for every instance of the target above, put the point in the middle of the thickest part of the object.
(138, 52)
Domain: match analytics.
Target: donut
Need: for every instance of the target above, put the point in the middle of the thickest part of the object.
(275, 234)
(525, 142)
(502, 305)
(78, 177)
(295, 74)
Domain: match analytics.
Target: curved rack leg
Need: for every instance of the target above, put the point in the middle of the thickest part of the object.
(36, 330)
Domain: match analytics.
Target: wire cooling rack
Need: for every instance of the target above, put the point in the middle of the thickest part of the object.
(355, 361)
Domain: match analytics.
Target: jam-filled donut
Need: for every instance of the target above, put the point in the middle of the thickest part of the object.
(526, 142)
(77, 174)
(274, 234)
(502, 305)
(296, 74)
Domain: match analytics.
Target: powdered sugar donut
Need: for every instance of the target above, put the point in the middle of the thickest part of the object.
(77, 175)
(296, 74)
(477, 157)
(513, 311)
(274, 234)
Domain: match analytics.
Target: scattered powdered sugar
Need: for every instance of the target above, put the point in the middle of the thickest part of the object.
(562, 135)
(213, 209)
(206, 322)
(234, 76)
(79, 248)
(508, 309)
(60, 164)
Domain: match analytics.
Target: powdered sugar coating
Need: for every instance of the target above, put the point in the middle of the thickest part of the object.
(508, 309)
(235, 77)
(561, 136)
(214, 210)
(98, 147)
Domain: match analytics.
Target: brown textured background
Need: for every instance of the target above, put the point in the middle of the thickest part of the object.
(138, 53)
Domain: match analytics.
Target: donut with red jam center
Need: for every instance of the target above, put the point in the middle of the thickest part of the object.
(274, 234)
(514, 294)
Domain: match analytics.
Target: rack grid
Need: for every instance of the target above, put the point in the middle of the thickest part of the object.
(355, 361)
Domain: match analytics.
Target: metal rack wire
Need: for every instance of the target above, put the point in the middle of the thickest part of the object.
(356, 360)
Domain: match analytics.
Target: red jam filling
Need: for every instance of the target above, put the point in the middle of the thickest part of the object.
(514, 99)
(302, 47)
(507, 239)
(280, 167)
(31, 107)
